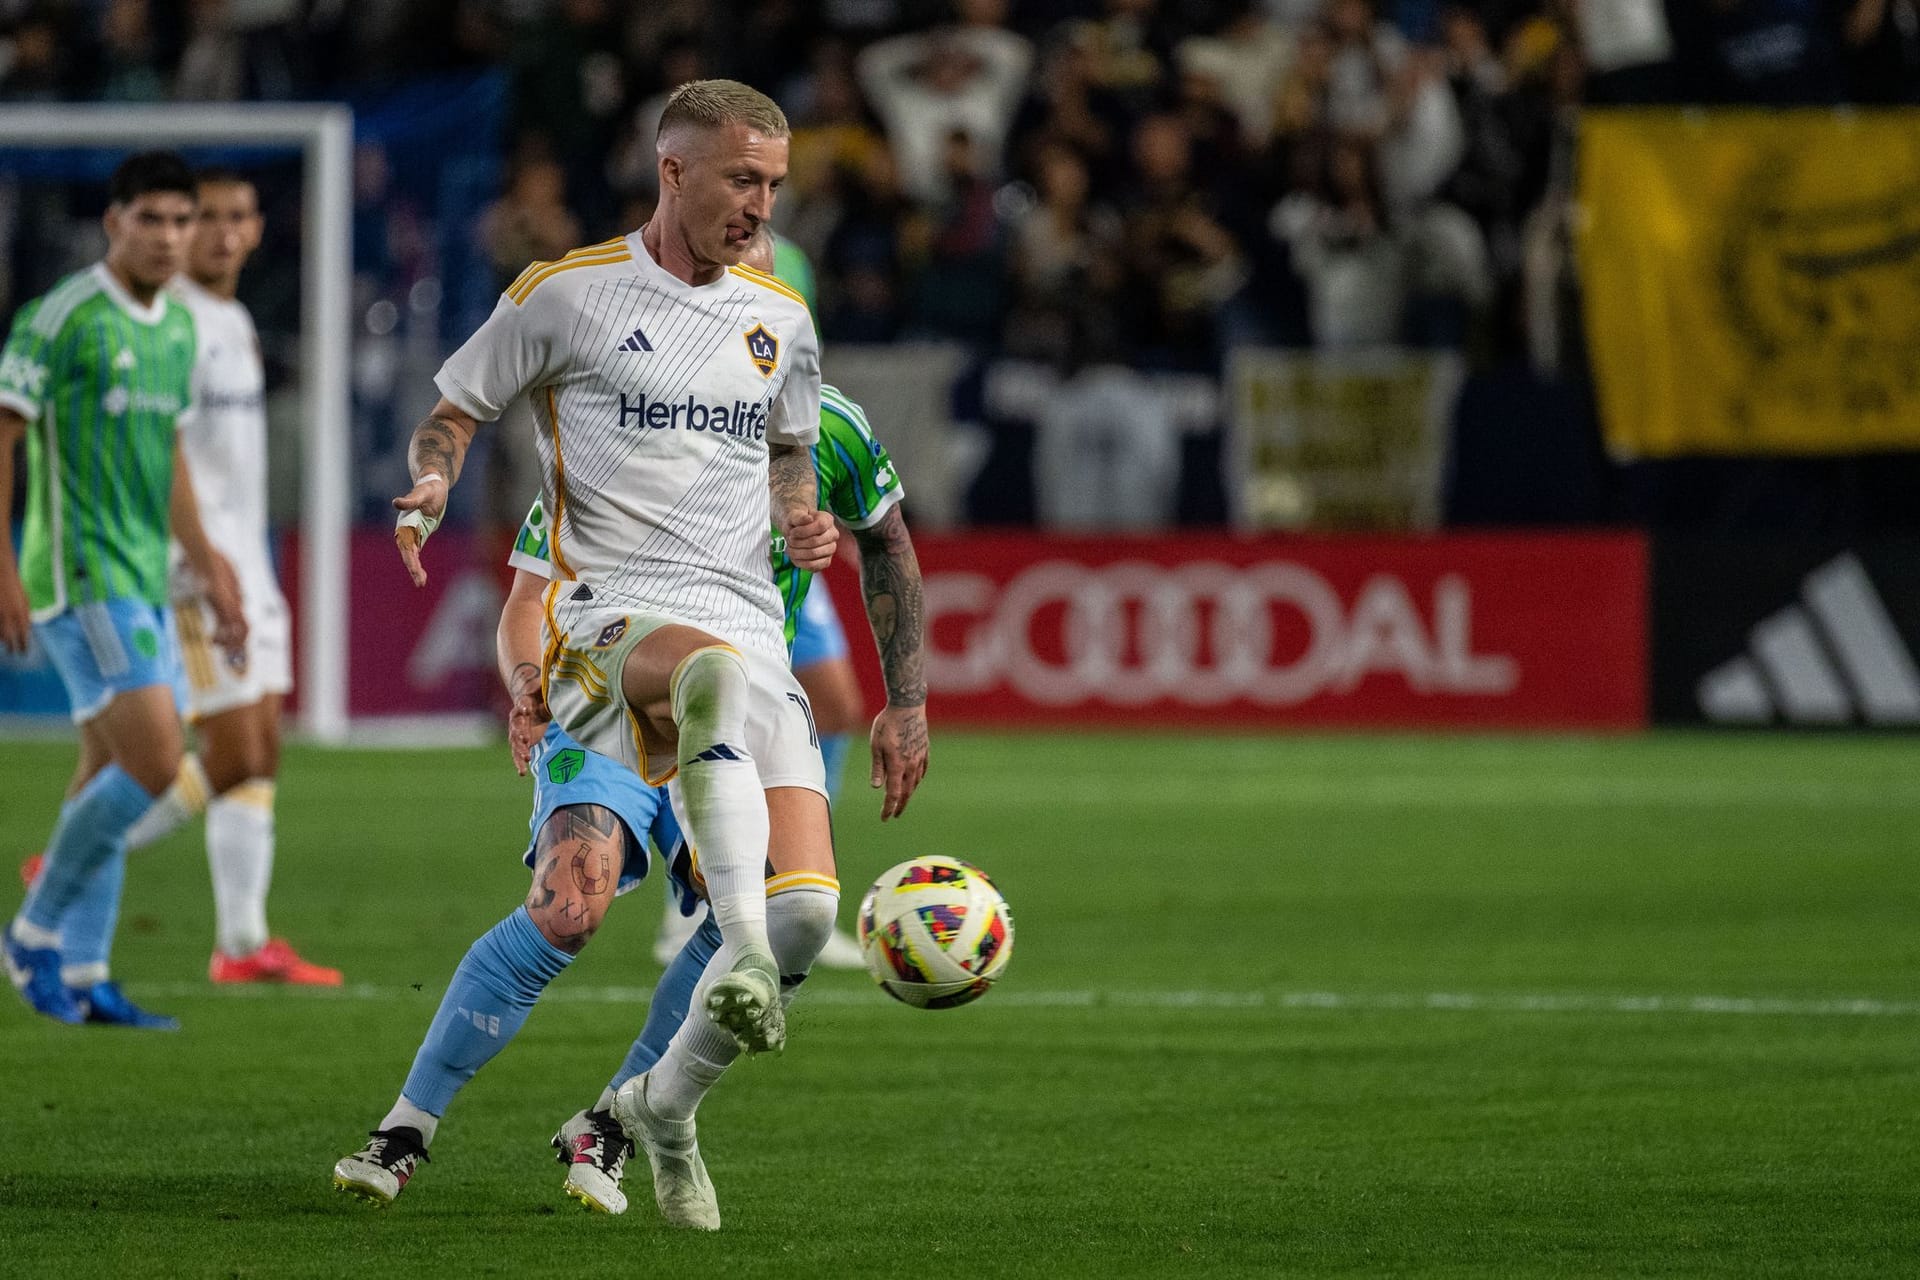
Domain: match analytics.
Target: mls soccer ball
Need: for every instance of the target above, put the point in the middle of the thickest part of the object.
(935, 932)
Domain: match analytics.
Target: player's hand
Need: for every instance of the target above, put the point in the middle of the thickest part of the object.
(526, 725)
(16, 616)
(811, 538)
(899, 742)
(420, 510)
(223, 597)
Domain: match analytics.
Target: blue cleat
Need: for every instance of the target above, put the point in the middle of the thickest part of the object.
(35, 972)
(105, 1004)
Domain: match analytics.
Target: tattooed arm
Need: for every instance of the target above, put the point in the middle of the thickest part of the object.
(890, 581)
(795, 499)
(434, 458)
(517, 647)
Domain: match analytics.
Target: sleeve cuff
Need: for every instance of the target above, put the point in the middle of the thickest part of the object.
(518, 559)
(19, 404)
(887, 503)
(462, 399)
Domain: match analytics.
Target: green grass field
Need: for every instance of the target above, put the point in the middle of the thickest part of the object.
(1313, 1006)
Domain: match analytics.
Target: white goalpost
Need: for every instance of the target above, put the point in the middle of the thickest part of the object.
(323, 134)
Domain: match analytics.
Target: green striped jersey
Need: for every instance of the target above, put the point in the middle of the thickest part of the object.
(856, 482)
(103, 383)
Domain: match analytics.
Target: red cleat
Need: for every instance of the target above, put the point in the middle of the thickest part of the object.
(30, 868)
(275, 962)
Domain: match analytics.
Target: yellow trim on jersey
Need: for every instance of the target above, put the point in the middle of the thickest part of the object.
(770, 282)
(800, 880)
(559, 488)
(534, 268)
(570, 665)
(556, 638)
(593, 256)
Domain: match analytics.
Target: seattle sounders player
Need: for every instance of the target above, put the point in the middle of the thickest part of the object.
(97, 375)
(591, 821)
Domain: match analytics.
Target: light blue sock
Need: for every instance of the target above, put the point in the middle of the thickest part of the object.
(92, 827)
(489, 998)
(672, 997)
(833, 752)
(86, 931)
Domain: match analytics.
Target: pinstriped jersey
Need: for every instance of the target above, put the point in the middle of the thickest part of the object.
(225, 444)
(857, 484)
(104, 383)
(654, 403)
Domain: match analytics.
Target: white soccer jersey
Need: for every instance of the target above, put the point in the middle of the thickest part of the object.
(224, 439)
(654, 401)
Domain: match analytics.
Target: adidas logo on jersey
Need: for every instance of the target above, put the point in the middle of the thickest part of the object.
(636, 341)
(741, 419)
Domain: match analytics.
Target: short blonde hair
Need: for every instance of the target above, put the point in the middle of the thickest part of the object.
(713, 104)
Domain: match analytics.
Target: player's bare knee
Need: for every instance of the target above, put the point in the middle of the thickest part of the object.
(577, 861)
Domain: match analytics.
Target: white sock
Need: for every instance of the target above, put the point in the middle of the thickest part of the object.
(240, 855)
(32, 936)
(182, 801)
(724, 805)
(801, 907)
(83, 975)
(407, 1116)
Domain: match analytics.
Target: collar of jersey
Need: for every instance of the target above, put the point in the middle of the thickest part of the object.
(645, 264)
(126, 301)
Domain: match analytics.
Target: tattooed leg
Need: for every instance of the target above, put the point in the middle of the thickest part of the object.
(577, 860)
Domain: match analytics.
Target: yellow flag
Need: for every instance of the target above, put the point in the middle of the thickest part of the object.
(1752, 280)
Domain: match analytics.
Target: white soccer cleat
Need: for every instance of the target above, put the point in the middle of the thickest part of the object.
(680, 1183)
(595, 1150)
(745, 1003)
(379, 1171)
(841, 952)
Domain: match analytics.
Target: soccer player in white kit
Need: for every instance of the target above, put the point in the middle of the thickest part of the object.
(674, 393)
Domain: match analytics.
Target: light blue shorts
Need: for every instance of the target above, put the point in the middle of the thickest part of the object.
(564, 773)
(108, 648)
(818, 637)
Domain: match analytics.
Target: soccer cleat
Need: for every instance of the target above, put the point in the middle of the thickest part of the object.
(107, 1005)
(681, 1186)
(745, 1003)
(275, 962)
(595, 1149)
(378, 1172)
(30, 868)
(35, 974)
(841, 952)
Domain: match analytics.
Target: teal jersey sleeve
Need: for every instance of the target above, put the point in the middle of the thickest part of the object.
(857, 484)
(533, 546)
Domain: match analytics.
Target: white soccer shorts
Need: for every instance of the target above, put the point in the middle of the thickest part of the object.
(214, 684)
(585, 645)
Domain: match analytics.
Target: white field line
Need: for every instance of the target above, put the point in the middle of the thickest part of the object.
(1362, 1002)
(1408, 791)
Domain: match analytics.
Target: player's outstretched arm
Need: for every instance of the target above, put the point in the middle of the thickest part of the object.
(220, 583)
(434, 458)
(517, 646)
(890, 581)
(810, 532)
(16, 618)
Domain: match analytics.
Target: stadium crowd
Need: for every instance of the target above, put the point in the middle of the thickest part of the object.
(1135, 182)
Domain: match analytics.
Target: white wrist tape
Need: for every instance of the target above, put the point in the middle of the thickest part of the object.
(420, 522)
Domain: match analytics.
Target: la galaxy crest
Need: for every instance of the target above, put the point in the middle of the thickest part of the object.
(763, 349)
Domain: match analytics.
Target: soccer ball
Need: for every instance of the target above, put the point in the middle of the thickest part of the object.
(935, 932)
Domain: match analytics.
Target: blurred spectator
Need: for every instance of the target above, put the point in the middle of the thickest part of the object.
(958, 286)
(33, 66)
(864, 254)
(1355, 270)
(1629, 51)
(1246, 59)
(1185, 264)
(129, 66)
(531, 222)
(569, 85)
(634, 167)
(213, 65)
(1880, 50)
(968, 78)
(1381, 87)
(1063, 244)
(1067, 105)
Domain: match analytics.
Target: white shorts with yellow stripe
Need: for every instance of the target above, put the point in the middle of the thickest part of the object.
(213, 682)
(585, 646)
